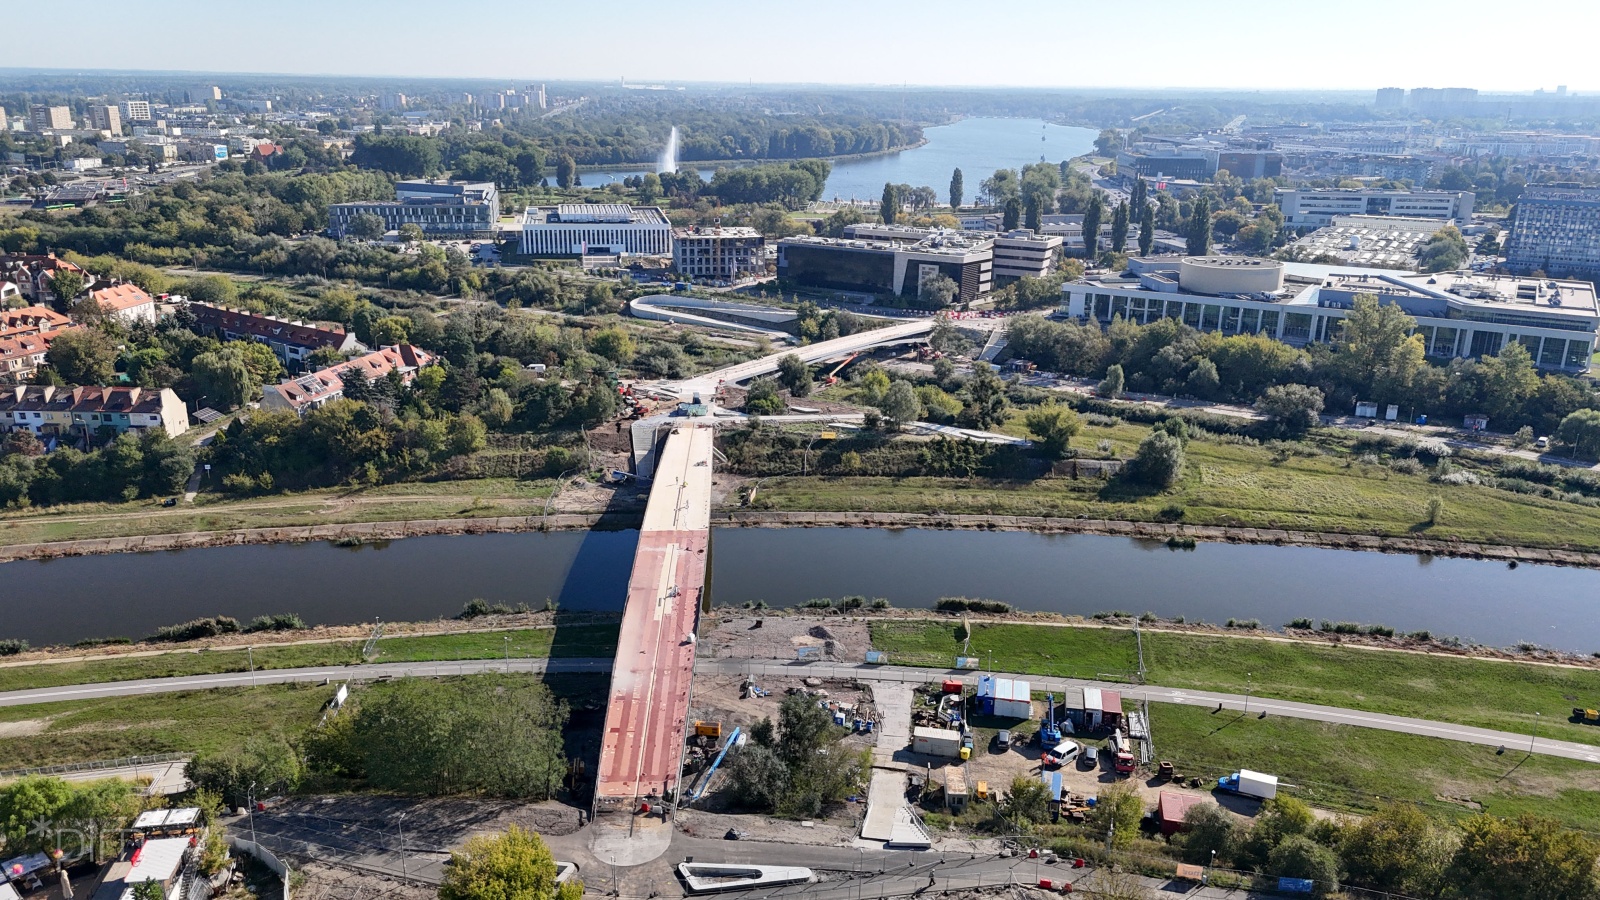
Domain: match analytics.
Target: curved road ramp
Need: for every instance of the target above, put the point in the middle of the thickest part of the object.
(711, 878)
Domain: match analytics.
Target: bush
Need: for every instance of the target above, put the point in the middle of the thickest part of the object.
(1406, 466)
(880, 603)
(12, 646)
(967, 604)
(1305, 624)
(102, 642)
(1341, 627)
(817, 603)
(195, 630)
(279, 622)
(853, 602)
(1244, 623)
(1159, 462)
(476, 608)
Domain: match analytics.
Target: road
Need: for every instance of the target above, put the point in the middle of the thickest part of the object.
(861, 672)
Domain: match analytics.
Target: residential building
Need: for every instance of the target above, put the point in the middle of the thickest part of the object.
(1557, 231)
(31, 320)
(438, 207)
(83, 411)
(126, 302)
(1391, 98)
(106, 118)
(583, 229)
(1316, 208)
(43, 118)
(290, 341)
(1021, 253)
(21, 356)
(889, 267)
(136, 110)
(203, 92)
(5, 123)
(327, 385)
(33, 274)
(1457, 314)
(724, 254)
(1380, 242)
(394, 100)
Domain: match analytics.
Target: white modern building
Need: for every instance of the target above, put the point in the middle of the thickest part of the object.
(585, 229)
(1458, 314)
(726, 254)
(136, 110)
(437, 207)
(1316, 208)
(1021, 253)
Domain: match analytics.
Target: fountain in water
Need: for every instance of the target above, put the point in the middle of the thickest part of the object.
(669, 156)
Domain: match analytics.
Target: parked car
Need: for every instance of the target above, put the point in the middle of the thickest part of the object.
(1090, 758)
(1003, 740)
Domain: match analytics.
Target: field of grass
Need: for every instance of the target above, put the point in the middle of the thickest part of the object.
(194, 722)
(576, 640)
(1500, 695)
(480, 498)
(1225, 484)
(1342, 767)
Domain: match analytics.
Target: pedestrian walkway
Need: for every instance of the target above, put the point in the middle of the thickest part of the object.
(890, 821)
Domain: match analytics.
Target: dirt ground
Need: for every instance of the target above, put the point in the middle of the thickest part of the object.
(744, 635)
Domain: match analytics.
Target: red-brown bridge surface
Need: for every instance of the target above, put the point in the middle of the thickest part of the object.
(642, 746)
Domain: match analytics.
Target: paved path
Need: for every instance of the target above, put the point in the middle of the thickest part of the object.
(862, 672)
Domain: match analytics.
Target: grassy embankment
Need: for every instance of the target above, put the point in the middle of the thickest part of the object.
(191, 722)
(562, 641)
(1225, 484)
(1332, 765)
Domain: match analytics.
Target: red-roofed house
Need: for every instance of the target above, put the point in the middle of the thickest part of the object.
(290, 341)
(327, 385)
(32, 274)
(127, 303)
(83, 411)
(21, 356)
(30, 320)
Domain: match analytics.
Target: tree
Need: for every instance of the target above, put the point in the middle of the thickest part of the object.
(1111, 386)
(957, 189)
(1027, 802)
(986, 393)
(900, 404)
(1208, 829)
(939, 291)
(1203, 380)
(1198, 232)
(1398, 848)
(1147, 228)
(1298, 856)
(149, 890)
(27, 801)
(1106, 143)
(223, 377)
(650, 188)
(1093, 216)
(794, 375)
(1011, 214)
(1581, 431)
(264, 766)
(66, 284)
(1522, 859)
(889, 206)
(513, 866)
(1445, 251)
(1295, 407)
(566, 171)
(1140, 198)
(1117, 813)
(83, 356)
(1159, 461)
(1033, 218)
(1054, 426)
(366, 226)
(762, 398)
(412, 233)
(944, 337)
(613, 344)
(1119, 228)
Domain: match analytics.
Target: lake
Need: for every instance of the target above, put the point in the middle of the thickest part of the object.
(977, 146)
(64, 600)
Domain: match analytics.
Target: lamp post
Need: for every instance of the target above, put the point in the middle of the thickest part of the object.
(251, 651)
(1532, 737)
(250, 800)
(400, 824)
(1247, 686)
(508, 652)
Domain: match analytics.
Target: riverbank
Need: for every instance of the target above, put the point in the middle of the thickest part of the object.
(1176, 533)
(714, 164)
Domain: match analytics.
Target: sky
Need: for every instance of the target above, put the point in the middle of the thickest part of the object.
(1260, 44)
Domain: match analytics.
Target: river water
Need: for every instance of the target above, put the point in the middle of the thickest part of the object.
(977, 146)
(64, 600)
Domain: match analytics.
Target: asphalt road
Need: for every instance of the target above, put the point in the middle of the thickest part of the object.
(1237, 703)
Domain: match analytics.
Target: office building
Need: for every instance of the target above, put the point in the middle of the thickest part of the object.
(1168, 162)
(290, 340)
(889, 267)
(43, 118)
(438, 207)
(1023, 254)
(1457, 314)
(81, 412)
(136, 110)
(1250, 164)
(1557, 231)
(596, 229)
(106, 118)
(1315, 208)
(724, 254)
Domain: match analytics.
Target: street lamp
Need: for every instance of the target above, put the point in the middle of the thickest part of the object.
(1535, 733)
(1247, 686)
(508, 652)
(250, 800)
(405, 870)
(252, 653)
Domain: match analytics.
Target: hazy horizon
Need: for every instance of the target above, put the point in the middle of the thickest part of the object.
(1235, 45)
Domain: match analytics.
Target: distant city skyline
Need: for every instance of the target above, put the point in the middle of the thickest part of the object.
(1234, 44)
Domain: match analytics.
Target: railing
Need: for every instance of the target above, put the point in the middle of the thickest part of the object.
(126, 762)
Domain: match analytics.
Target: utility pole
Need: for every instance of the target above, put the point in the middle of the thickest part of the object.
(1247, 686)
(1534, 736)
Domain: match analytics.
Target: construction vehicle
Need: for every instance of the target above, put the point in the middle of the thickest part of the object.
(1049, 732)
(1249, 784)
(833, 377)
(708, 729)
(1585, 716)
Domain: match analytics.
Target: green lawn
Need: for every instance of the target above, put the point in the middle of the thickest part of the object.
(1482, 693)
(574, 640)
(1225, 484)
(1343, 767)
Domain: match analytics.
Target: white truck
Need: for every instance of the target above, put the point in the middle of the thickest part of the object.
(1249, 784)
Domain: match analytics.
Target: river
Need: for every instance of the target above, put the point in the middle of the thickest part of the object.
(977, 146)
(64, 600)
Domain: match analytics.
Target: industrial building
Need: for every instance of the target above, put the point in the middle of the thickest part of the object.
(439, 207)
(584, 229)
(725, 254)
(1315, 208)
(1458, 314)
(1557, 231)
(889, 267)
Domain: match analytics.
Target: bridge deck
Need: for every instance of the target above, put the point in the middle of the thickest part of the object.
(649, 703)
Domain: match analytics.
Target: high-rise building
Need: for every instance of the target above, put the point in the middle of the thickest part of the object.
(394, 100)
(1557, 231)
(49, 118)
(136, 110)
(106, 118)
(5, 125)
(202, 93)
(1391, 98)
